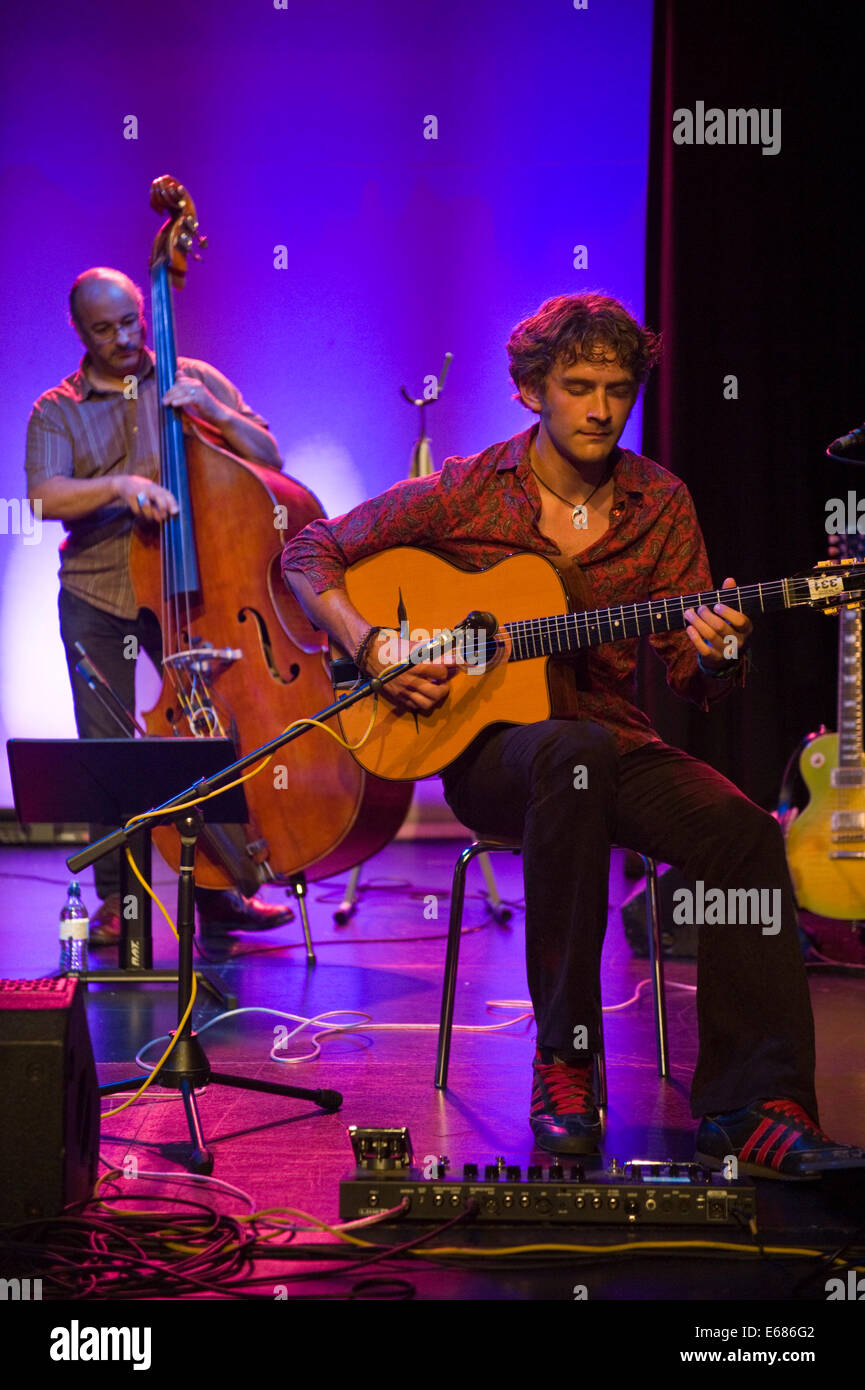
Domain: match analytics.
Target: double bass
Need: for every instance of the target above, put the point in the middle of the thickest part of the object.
(240, 658)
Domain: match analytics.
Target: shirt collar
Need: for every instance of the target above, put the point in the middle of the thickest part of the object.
(626, 475)
(83, 386)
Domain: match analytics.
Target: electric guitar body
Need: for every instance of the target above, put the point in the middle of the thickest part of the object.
(826, 841)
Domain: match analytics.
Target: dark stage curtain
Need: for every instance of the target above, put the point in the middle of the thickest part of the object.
(755, 270)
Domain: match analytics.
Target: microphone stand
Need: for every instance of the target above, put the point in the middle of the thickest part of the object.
(187, 1066)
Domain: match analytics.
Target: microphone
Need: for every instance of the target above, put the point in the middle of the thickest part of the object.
(478, 631)
(478, 622)
(847, 441)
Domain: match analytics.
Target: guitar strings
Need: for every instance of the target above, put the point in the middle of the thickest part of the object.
(589, 624)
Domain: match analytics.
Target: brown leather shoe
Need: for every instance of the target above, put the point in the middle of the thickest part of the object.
(230, 911)
(105, 923)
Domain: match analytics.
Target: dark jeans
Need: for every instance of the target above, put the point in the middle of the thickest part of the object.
(756, 1032)
(106, 641)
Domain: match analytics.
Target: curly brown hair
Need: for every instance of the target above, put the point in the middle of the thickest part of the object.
(579, 325)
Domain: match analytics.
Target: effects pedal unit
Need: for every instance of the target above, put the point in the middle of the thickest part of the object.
(639, 1192)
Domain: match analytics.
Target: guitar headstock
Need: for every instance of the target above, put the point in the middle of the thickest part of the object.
(179, 233)
(840, 583)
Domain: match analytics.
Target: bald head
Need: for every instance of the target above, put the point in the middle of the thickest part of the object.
(99, 287)
(107, 313)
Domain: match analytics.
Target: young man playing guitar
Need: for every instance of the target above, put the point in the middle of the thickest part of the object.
(620, 529)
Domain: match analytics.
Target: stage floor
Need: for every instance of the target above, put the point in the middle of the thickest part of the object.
(387, 962)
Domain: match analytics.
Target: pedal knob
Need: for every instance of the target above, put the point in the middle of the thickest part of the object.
(470, 1171)
(442, 1166)
(491, 1172)
(557, 1172)
(535, 1172)
(578, 1173)
(513, 1172)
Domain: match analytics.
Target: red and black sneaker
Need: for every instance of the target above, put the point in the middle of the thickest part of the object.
(564, 1115)
(773, 1139)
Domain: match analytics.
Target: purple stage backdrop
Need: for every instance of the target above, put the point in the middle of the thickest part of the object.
(380, 183)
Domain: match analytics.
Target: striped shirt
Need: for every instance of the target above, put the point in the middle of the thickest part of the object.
(78, 430)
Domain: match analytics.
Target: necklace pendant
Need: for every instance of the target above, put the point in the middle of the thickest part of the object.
(580, 517)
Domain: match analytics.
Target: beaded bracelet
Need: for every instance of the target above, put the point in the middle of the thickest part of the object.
(721, 674)
(363, 648)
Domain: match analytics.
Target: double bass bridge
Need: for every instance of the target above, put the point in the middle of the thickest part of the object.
(192, 672)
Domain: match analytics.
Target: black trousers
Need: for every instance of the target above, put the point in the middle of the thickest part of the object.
(562, 787)
(113, 645)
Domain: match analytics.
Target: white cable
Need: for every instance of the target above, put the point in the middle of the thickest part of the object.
(179, 1177)
(366, 1024)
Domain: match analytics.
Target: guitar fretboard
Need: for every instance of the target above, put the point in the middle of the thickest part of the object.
(850, 696)
(565, 633)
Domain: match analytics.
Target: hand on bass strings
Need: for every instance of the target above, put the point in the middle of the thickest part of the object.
(192, 396)
(145, 498)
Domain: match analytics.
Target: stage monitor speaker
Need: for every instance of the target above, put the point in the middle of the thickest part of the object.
(49, 1099)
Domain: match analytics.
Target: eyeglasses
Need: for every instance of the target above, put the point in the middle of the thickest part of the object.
(103, 333)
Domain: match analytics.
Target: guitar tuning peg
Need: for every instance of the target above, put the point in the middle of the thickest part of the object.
(821, 564)
(830, 611)
(202, 241)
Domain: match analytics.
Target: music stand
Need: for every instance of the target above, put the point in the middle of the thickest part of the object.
(106, 781)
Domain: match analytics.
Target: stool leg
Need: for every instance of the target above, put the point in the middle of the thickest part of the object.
(501, 913)
(455, 922)
(601, 1069)
(656, 962)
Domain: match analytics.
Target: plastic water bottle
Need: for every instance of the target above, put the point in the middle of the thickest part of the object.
(74, 930)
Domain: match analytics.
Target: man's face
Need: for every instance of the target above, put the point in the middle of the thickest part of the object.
(584, 407)
(111, 326)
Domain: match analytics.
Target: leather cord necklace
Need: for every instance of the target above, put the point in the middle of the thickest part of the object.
(579, 512)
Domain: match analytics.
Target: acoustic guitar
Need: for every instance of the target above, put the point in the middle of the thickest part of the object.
(523, 675)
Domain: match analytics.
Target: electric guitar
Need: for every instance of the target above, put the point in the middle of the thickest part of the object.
(523, 673)
(826, 841)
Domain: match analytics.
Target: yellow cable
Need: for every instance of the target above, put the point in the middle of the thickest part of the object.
(620, 1249)
(259, 767)
(151, 1078)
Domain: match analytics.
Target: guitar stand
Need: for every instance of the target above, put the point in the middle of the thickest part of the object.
(187, 1066)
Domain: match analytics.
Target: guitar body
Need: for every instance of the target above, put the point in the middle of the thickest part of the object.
(432, 593)
(833, 821)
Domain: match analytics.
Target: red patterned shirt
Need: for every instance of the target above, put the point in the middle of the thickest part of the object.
(478, 510)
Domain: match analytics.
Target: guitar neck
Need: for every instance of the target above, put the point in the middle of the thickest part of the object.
(572, 632)
(850, 692)
(181, 570)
